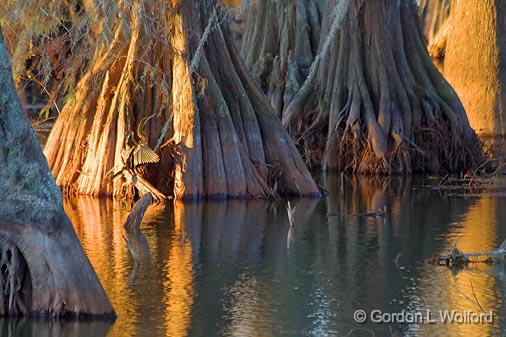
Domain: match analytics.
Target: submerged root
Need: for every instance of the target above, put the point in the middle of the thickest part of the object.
(135, 240)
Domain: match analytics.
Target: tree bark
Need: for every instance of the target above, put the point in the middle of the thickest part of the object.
(435, 15)
(175, 61)
(382, 107)
(475, 65)
(44, 271)
(280, 41)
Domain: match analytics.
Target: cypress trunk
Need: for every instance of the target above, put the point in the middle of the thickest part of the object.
(280, 41)
(43, 270)
(171, 70)
(475, 65)
(383, 107)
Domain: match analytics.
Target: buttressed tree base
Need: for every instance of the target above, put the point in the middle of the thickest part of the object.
(43, 269)
(177, 79)
(383, 107)
(280, 42)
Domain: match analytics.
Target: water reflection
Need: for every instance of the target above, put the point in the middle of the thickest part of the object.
(41, 328)
(224, 269)
(418, 223)
(178, 285)
(138, 303)
(476, 288)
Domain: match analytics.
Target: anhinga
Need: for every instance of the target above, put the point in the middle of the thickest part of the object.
(136, 151)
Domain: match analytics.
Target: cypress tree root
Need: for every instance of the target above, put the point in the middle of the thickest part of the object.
(280, 41)
(215, 133)
(43, 269)
(383, 108)
(15, 283)
(45, 274)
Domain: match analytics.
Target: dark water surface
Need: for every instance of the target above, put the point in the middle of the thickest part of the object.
(236, 268)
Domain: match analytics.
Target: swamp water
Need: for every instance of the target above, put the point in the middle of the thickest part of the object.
(237, 268)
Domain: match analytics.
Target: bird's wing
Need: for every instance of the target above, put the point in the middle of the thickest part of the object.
(144, 155)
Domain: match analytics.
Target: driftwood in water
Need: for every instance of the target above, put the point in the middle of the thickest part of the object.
(136, 241)
(291, 224)
(44, 271)
(459, 259)
(142, 185)
(133, 221)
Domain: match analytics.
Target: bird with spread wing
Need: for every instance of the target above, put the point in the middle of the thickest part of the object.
(136, 152)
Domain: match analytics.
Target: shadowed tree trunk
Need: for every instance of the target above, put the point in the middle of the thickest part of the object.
(237, 20)
(280, 41)
(172, 70)
(475, 65)
(43, 270)
(383, 106)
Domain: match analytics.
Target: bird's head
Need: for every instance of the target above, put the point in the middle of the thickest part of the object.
(140, 128)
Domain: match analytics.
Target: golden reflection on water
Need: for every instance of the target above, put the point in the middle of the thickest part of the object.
(99, 226)
(137, 297)
(178, 287)
(160, 296)
(478, 233)
(433, 223)
(470, 289)
(234, 269)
